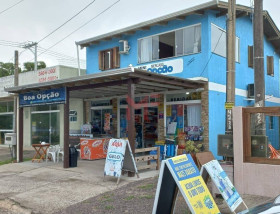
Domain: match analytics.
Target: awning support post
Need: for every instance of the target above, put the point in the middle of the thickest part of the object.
(130, 114)
(20, 134)
(66, 130)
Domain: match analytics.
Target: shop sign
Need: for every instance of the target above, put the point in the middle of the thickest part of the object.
(181, 172)
(223, 184)
(119, 156)
(51, 96)
(166, 67)
(229, 105)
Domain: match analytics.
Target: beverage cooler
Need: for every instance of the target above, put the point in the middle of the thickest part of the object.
(93, 149)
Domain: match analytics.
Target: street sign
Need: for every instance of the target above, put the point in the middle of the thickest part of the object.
(181, 173)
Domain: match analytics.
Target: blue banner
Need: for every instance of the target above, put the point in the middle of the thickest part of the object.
(51, 96)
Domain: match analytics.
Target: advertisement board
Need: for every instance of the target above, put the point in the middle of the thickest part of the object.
(119, 157)
(51, 96)
(185, 175)
(92, 149)
(165, 67)
(223, 183)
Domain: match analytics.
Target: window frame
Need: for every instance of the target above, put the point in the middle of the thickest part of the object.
(166, 32)
(114, 58)
(270, 65)
(250, 56)
(237, 44)
(73, 116)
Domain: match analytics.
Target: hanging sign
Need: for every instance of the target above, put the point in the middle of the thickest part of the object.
(51, 96)
(181, 173)
(165, 67)
(118, 158)
(229, 105)
(223, 183)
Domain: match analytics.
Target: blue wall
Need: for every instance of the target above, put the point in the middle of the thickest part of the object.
(205, 64)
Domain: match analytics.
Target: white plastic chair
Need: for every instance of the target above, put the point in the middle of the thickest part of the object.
(52, 150)
(60, 151)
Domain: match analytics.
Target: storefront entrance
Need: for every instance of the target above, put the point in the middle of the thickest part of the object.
(101, 121)
(45, 124)
(146, 125)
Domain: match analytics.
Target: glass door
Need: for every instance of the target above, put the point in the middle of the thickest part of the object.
(45, 127)
(101, 120)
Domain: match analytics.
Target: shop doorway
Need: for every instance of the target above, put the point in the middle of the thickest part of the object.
(45, 125)
(101, 121)
(146, 125)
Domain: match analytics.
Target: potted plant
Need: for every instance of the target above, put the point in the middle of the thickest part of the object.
(192, 148)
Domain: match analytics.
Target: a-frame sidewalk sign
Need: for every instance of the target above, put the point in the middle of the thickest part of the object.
(223, 184)
(119, 157)
(181, 173)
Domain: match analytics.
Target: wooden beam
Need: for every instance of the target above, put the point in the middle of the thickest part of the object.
(180, 18)
(273, 38)
(20, 134)
(66, 131)
(145, 28)
(241, 14)
(131, 116)
(163, 23)
(130, 32)
(104, 84)
(161, 85)
(222, 13)
(199, 12)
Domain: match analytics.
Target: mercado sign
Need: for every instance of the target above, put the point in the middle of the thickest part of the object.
(223, 183)
(51, 96)
(166, 67)
(119, 157)
(181, 172)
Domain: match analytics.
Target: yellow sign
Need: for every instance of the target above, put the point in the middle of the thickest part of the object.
(168, 110)
(199, 196)
(229, 105)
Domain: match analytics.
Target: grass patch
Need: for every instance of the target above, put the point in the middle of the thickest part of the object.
(128, 198)
(106, 198)
(146, 187)
(109, 207)
(27, 159)
(147, 196)
(6, 162)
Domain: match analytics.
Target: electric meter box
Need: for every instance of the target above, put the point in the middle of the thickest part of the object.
(10, 139)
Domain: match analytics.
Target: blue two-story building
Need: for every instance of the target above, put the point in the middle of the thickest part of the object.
(188, 44)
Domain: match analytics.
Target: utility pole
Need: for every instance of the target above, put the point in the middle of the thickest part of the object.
(14, 147)
(259, 65)
(230, 84)
(29, 46)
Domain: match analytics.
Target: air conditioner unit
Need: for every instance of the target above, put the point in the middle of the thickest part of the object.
(225, 145)
(124, 48)
(259, 146)
(251, 90)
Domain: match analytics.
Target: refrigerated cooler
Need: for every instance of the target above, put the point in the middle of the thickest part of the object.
(93, 149)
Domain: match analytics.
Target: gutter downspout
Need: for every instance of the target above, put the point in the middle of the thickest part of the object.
(78, 58)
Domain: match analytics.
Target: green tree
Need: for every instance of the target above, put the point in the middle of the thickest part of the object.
(6, 69)
(29, 66)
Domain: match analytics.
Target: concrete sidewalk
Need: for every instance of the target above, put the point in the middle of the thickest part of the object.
(47, 187)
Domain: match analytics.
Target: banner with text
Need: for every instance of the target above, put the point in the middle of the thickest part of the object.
(51, 96)
(166, 67)
(185, 175)
(223, 183)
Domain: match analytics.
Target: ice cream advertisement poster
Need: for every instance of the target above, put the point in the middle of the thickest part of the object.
(223, 183)
(191, 185)
(115, 157)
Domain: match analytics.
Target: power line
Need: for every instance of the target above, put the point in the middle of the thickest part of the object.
(3, 11)
(81, 26)
(66, 21)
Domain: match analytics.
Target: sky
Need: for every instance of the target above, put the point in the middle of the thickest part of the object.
(32, 20)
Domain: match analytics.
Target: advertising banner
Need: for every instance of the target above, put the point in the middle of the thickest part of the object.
(119, 157)
(92, 149)
(223, 183)
(51, 96)
(166, 67)
(185, 175)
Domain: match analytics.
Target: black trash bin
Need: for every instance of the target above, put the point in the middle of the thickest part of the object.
(73, 156)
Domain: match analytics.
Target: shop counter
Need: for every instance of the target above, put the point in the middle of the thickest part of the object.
(93, 149)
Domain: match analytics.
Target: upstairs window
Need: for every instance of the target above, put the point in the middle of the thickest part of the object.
(270, 65)
(175, 43)
(218, 42)
(109, 59)
(250, 56)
